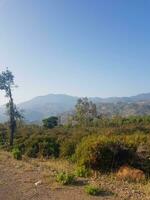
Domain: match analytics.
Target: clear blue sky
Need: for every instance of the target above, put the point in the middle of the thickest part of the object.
(76, 47)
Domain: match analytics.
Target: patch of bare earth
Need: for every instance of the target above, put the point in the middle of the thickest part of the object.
(18, 178)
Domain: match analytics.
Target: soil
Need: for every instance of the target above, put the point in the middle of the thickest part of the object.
(18, 178)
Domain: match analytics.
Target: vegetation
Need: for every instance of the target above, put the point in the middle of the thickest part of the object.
(92, 190)
(104, 148)
(45, 146)
(7, 84)
(65, 178)
(17, 154)
(50, 122)
(89, 141)
(85, 112)
(82, 171)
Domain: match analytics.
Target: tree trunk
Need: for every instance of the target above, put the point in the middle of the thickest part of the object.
(3, 133)
(12, 131)
(12, 118)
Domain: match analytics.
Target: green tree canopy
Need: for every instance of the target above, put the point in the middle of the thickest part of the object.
(50, 122)
(85, 111)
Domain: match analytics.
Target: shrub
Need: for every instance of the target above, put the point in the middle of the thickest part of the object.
(109, 153)
(4, 135)
(49, 148)
(143, 157)
(65, 178)
(17, 153)
(45, 146)
(32, 150)
(97, 152)
(81, 171)
(67, 148)
(131, 174)
(92, 190)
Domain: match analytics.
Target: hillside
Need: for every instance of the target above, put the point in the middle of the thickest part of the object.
(57, 104)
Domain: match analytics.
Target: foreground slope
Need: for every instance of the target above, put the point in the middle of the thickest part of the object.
(18, 178)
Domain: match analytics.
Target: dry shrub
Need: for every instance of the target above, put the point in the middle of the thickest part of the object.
(129, 173)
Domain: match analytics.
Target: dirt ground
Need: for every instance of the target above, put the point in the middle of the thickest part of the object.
(18, 178)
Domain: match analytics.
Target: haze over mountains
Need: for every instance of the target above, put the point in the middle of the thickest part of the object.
(60, 104)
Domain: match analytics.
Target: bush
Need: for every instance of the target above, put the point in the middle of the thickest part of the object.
(49, 148)
(82, 171)
(17, 153)
(45, 146)
(32, 150)
(143, 157)
(140, 144)
(109, 153)
(67, 149)
(92, 190)
(65, 178)
(97, 153)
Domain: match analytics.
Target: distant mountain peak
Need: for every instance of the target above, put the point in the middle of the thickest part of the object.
(56, 104)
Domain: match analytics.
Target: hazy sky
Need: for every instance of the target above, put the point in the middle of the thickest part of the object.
(76, 47)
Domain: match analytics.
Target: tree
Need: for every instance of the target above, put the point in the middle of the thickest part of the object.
(85, 111)
(50, 122)
(3, 134)
(7, 84)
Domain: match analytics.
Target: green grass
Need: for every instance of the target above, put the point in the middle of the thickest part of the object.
(92, 190)
(82, 172)
(65, 178)
(17, 154)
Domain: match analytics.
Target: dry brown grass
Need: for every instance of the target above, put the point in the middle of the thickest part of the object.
(129, 173)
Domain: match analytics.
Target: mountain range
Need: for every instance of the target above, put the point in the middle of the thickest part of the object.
(41, 107)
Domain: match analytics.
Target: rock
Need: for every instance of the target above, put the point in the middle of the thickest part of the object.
(129, 173)
(143, 152)
(38, 183)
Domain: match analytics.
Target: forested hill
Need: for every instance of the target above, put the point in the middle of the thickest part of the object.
(59, 104)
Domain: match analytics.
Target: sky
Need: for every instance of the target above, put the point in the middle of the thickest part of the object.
(76, 47)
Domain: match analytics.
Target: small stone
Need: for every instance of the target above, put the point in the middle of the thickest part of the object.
(38, 183)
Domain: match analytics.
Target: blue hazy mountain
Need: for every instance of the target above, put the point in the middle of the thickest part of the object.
(57, 104)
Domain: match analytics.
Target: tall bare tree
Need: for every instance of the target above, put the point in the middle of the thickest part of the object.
(7, 84)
